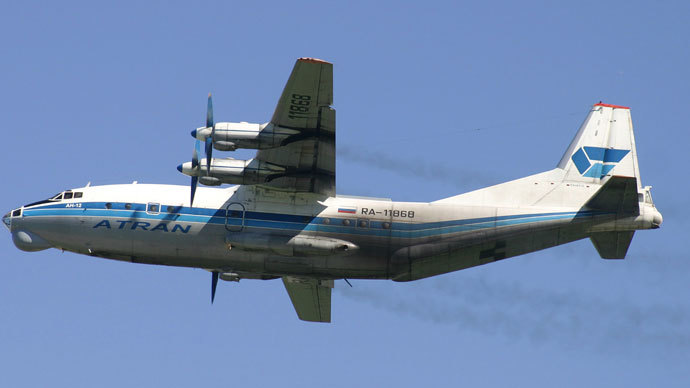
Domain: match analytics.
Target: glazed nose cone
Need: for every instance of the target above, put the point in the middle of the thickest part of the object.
(7, 220)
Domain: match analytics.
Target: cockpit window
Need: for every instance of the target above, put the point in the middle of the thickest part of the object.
(648, 197)
(55, 198)
(58, 197)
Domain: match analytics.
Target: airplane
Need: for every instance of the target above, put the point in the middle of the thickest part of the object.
(283, 219)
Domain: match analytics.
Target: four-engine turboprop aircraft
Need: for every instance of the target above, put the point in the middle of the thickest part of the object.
(284, 220)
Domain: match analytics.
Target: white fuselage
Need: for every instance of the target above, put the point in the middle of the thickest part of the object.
(255, 233)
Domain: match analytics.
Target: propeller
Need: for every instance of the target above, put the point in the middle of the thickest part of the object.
(208, 148)
(214, 284)
(209, 140)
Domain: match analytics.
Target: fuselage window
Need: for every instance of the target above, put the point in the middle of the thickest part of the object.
(108, 205)
(68, 195)
(78, 194)
(326, 221)
(363, 223)
(153, 208)
(128, 206)
(346, 222)
(170, 209)
(386, 225)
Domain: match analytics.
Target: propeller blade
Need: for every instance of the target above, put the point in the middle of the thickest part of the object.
(214, 284)
(195, 178)
(209, 112)
(209, 152)
(195, 155)
(209, 140)
(195, 181)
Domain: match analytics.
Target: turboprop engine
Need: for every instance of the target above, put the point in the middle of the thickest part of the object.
(231, 171)
(231, 136)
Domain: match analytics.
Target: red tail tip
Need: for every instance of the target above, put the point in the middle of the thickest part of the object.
(611, 106)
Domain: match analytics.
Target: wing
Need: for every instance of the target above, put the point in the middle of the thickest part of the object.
(310, 297)
(305, 107)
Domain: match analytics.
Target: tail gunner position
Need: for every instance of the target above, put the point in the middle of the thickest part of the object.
(282, 219)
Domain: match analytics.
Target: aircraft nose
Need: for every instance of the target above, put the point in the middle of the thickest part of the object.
(657, 220)
(7, 220)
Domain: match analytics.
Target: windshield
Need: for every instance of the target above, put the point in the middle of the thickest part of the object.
(57, 198)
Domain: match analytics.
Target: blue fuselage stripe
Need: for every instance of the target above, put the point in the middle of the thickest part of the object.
(295, 222)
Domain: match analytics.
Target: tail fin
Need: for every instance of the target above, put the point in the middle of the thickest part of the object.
(604, 146)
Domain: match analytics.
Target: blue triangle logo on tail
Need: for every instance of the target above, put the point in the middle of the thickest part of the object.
(596, 162)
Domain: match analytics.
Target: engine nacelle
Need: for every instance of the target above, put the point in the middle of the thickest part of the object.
(230, 136)
(232, 171)
(224, 145)
(209, 181)
(243, 172)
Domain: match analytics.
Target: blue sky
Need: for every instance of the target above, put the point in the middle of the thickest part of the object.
(433, 99)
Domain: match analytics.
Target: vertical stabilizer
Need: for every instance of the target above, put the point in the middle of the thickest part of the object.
(603, 146)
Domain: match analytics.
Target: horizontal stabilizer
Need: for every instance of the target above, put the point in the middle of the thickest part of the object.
(618, 195)
(612, 245)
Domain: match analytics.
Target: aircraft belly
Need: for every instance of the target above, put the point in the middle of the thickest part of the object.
(370, 260)
(206, 246)
(462, 250)
(76, 234)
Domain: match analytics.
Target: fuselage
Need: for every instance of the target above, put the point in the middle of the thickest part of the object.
(253, 233)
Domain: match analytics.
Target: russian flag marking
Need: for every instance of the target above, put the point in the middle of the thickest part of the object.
(347, 210)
